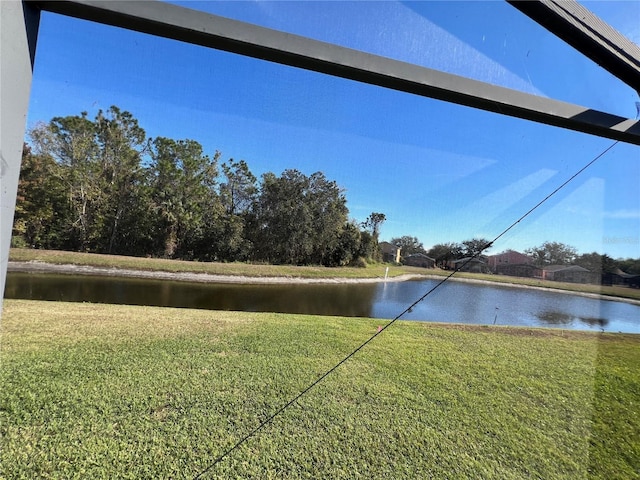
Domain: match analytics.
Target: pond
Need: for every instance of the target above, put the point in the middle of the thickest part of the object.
(453, 302)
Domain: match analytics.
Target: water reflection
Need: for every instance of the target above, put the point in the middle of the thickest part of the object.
(555, 318)
(460, 302)
(348, 300)
(454, 302)
(563, 319)
(596, 322)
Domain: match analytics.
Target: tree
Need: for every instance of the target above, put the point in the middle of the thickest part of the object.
(297, 219)
(445, 252)
(629, 265)
(348, 248)
(238, 190)
(475, 247)
(282, 225)
(102, 186)
(226, 233)
(596, 262)
(183, 195)
(70, 142)
(42, 212)
(121, 144)
(369, 247)
(408, 245)
(373, 223)
(328, 208)
(552, 253)
(98, 165)
(123, 204)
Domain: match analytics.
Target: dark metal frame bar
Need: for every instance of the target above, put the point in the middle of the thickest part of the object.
(588, 34)
(191, 26)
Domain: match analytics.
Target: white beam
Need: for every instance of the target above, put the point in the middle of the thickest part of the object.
(18, 33)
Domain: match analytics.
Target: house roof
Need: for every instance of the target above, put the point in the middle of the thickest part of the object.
(509, 252)
(389, 245)
(420, 255)
(562, 268)
(469, 259)
(622, 274)
(519, 265)
(506, 252)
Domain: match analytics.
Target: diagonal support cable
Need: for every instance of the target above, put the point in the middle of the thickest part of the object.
(303, 392)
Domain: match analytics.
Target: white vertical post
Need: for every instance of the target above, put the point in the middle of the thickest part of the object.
(18, 32)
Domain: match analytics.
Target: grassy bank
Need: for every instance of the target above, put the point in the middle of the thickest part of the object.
(138, 392)
(213, 268)
(250, 270)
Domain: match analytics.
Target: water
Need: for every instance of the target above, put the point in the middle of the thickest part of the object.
(454, 302)
(459, 302)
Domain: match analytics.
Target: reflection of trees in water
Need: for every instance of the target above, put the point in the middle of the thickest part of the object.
(559, 318)
(555, 318)
(349, 300)
(341, 300)
(595, 321)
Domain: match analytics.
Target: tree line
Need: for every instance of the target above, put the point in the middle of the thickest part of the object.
(442, 252)
(548, 253)
(101, 185)
(557, 253)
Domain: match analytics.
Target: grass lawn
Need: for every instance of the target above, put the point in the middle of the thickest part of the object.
(106, 391)
(214, 268)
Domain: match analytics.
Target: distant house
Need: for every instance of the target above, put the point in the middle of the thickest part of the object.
(618, 277)
(420, 260)
(518, 270)
(503, 261)
(390, 253)
(469, 264)
(569, 273)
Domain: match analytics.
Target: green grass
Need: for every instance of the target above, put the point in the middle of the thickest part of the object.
(214, 268)
(111, 391)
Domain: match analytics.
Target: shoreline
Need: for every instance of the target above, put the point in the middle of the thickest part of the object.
(69, 269)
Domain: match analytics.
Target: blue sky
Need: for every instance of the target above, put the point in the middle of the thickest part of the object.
(440, 172)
